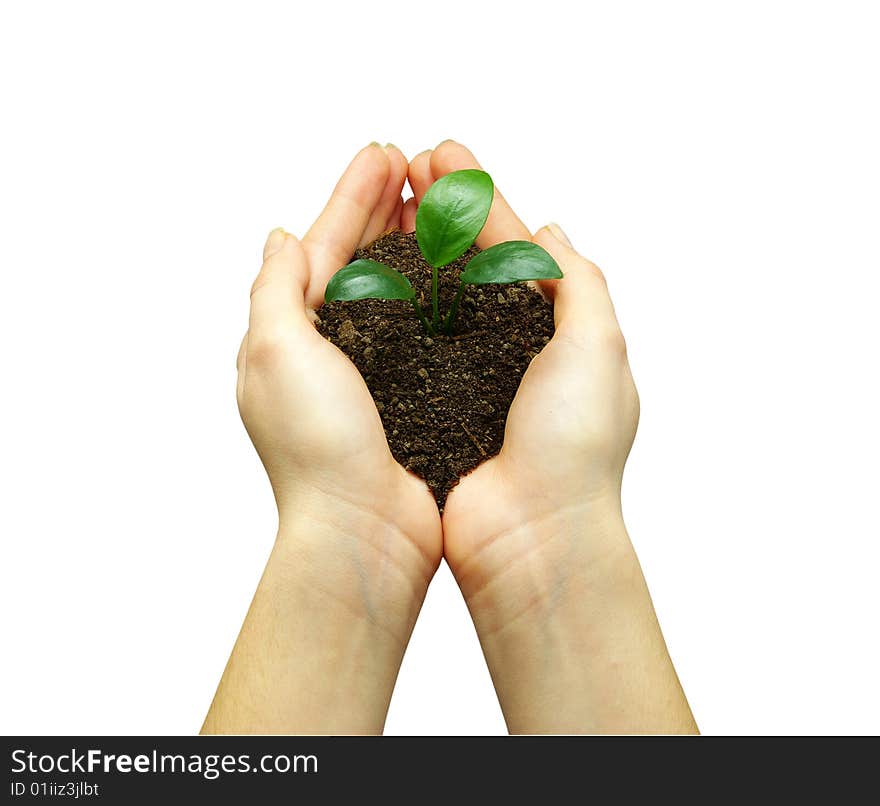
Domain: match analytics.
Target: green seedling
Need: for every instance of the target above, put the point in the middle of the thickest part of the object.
(450, 217)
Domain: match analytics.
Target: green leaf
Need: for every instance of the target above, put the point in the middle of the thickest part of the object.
(451, 215)
(510, 262)
(368, 279)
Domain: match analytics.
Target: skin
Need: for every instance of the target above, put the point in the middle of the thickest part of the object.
(535, 536)
(359, 538)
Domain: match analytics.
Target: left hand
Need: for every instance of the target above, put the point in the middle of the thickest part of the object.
(306, 407)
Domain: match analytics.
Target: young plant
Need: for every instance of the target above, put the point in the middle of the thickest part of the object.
(448, 221)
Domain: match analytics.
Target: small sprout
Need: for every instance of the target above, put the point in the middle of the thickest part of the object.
(369, 279)
(451, 214)
(508, 262)
(449, 218)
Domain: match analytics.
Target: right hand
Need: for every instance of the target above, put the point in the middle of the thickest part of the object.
(535, 536)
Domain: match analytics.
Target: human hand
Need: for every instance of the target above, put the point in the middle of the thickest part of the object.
(306, 407)
(535, 536)
(359, 537)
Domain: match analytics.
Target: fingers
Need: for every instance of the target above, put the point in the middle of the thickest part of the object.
(408, 215)
(581, 305)
(420, 179)
(503, 224)
(396, 215)
(342, 225)
(420, 176)
(581, 302)
(390, 201)
(277, 295)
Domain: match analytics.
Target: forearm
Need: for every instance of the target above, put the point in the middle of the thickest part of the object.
(570, 634)
(323, 640)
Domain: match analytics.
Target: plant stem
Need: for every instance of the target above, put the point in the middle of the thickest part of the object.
(453, 311)
(435, 280)
(421, 314)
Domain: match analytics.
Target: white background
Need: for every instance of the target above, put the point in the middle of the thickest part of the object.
(718, 161)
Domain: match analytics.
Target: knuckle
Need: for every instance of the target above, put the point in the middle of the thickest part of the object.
(260, 281)
(596, 273)
(604, 339)
(446, 155)
(440, 152)
(268, 270)
(611, 340)
(242, 349)
(265, 349)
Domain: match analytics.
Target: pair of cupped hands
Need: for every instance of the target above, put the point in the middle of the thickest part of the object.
(534, 536)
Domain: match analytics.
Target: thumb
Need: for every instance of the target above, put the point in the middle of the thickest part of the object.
(278, 293)
(580, 298)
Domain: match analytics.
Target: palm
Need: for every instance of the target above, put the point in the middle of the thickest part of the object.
(551, 415)
(337, 428)
(332, 417)
(306, 407)
(574, 416)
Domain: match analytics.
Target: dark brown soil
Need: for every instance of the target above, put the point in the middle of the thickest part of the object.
(443, 399)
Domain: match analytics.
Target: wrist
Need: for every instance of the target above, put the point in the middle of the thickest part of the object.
(323, 640)
(526, 567)
(354, 563)
(569, 631)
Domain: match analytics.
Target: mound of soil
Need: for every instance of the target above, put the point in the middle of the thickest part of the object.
(443, 399)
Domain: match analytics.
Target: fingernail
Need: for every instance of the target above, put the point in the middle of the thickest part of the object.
(374, 143)
(274, 242)
(390, 145)
(556, 232)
